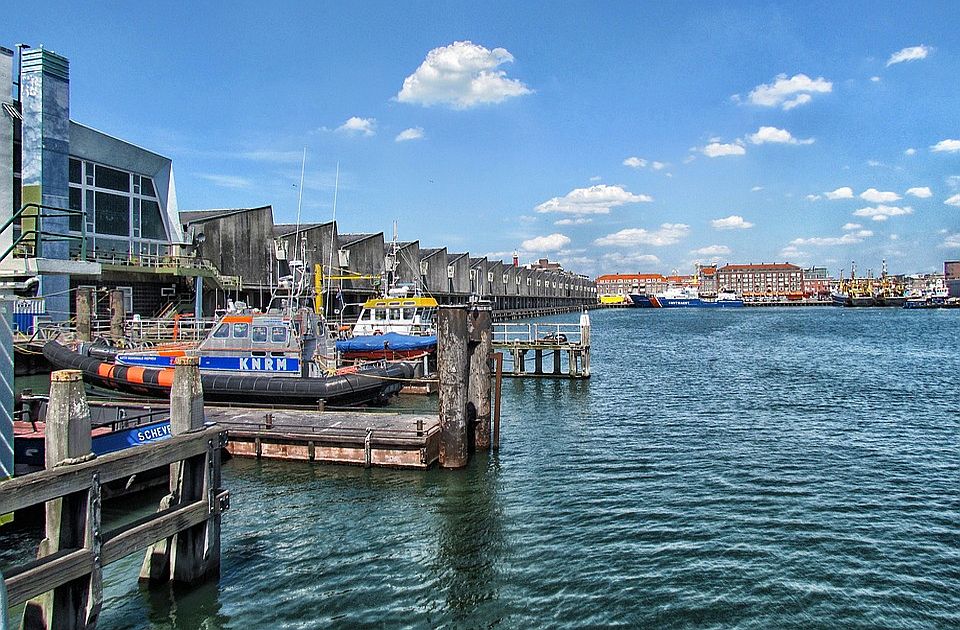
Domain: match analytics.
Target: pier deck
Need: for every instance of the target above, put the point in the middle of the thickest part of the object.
(368, 439)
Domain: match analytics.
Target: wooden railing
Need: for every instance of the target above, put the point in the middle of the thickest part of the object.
(76, 548)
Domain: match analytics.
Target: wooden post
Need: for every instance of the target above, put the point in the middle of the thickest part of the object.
(83, 314)
(194, 553)
(453, 363)
(557, 355)
(74, 605)
(117, 314)
(481, 336)
(585, 341)
(538, 361)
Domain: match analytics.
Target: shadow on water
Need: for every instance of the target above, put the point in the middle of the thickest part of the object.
(470, 542)
(184, 608)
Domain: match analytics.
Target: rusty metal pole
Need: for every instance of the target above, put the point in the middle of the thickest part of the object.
(453, 363)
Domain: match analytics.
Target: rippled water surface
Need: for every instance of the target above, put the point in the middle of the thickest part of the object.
(756, 468)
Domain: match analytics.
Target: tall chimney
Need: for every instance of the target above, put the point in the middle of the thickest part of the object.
(516, 259)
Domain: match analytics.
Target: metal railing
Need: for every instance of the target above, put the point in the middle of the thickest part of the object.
(37, 234)
(508, 333)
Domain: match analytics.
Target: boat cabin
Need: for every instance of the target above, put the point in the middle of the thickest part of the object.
(406, 316)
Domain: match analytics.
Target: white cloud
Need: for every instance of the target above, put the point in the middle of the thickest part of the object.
(595, 178)
(882, 212)
(359, 126)
(630, 260)
(413, 133)
(577, 221)
(658, 166)
(923, 192)
(461, 75)
(952, 241)
(813, 197)
(551, 243)
(717, 149)
(712, 250)
(789, 93)
(756, 189)
(875, 79)
(877, 196)
(594, 200)
(953, 201)
(733, 222)
(913, 53)
(791, 252)
(894, 237)
(847, 239)
(776, 136)
(668, 234)
(910, 151)
(851, 226)
(946, 146)
(844, 192)
(635, 162)
(227, 181)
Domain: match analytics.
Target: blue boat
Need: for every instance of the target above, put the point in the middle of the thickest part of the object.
(686, 297)
(389, 346)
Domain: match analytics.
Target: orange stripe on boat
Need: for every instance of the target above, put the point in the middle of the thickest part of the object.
(238, 319)
(135, 374)
(105, 370)
(165, 378)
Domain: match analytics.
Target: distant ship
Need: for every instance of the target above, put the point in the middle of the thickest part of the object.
(685, 297)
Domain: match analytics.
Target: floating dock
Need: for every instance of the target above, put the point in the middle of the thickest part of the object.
(391, 440)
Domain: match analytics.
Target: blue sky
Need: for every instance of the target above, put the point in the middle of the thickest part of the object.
(611, 136)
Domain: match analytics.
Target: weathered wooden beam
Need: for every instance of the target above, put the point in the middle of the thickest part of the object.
(478, 395)
(43, 575)
(22, 492)
(66, 441)
(117, 314)
(84, 314)
(453, 364)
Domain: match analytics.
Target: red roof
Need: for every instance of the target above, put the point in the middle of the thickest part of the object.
(761, 267)
(629, 276)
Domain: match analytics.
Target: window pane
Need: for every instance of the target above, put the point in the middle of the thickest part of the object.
(240, 330)
(278, 334)
(151, 222)
(76, 203)
(113, 214)
(222, 331)
(112, 178)
(76, 172)
(146, 187)
(259, 334)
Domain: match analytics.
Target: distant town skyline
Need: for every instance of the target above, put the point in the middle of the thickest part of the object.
(611, 137)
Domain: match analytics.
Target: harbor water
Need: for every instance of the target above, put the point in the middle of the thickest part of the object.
(749, 468)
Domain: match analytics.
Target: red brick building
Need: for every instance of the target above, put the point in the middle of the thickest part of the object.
(765, 281)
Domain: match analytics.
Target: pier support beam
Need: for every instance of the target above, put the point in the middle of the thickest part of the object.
(84, 314)
(480, 324)
(117, 315)
(453, 363)
(74, 605)
(193, 554)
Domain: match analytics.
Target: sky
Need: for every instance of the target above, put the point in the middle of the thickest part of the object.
(611, 136)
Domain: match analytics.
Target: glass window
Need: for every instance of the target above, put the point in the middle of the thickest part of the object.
(240, 331)
(408, 313)
(76, 203)
(367, 316)
(380, 314)
(112, 178)
(113, 214)
(76, 171)
(278, 334)
(151, 221)
(395, 314)
(259, 334)
(146, 187)
(222, 332)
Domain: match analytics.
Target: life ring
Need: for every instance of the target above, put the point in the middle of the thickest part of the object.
(378, 332)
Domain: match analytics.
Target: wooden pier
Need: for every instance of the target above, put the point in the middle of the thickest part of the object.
(566, 348)
(335, 437)
(63, 586)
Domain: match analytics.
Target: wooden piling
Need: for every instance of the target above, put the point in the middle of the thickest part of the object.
(478, 396)
(497, 392)
(117, 314)
(84, 314)
(453, 363)
(194, 553)
(76, 604)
